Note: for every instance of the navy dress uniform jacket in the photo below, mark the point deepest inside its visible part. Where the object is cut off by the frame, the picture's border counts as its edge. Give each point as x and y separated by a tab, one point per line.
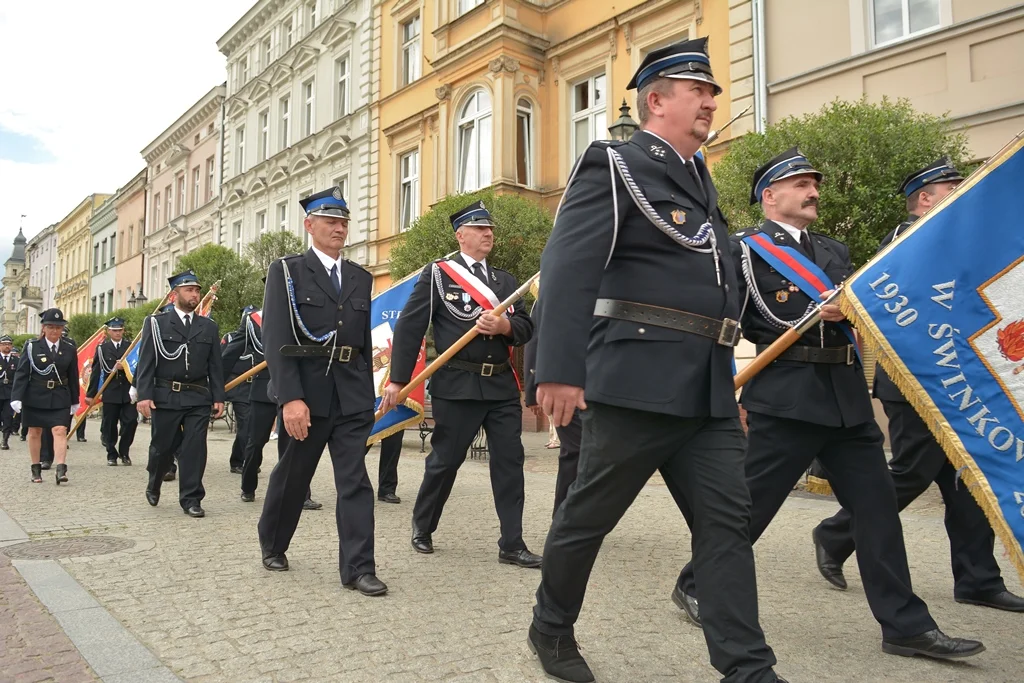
204	362
622	363
884	388
237	358
322	310
830	394
7	370
118	388
447	382
261	380
31	388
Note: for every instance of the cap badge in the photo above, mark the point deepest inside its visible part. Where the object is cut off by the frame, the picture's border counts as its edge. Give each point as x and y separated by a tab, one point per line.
678	216
336	194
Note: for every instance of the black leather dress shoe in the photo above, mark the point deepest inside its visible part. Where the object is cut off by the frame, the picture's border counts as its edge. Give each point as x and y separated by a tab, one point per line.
235	469
367	584
520	558
688	604
559	657
169	476
248	497
1004	600
934	644
112	463
421	542
152	497
389	498
126	461
829	567
275	562
310	504
195	511
81	440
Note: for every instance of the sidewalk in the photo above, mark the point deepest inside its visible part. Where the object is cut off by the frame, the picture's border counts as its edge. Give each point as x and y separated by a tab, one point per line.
194	594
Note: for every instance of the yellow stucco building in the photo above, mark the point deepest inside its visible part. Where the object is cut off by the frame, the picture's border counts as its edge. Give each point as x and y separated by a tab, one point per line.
74	248
507	93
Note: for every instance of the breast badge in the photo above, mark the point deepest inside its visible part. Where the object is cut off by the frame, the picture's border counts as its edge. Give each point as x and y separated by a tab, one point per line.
782	296
678	216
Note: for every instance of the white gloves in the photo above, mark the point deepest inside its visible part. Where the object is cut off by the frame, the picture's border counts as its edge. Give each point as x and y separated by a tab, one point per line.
133	394
74	408
16	406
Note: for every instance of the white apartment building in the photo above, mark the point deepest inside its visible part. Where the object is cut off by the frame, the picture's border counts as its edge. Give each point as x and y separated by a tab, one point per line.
103	230
41	261
297	116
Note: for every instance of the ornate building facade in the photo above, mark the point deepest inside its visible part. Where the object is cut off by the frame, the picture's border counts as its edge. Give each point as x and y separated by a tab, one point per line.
103	231
13	313
41	258
130	206
74	257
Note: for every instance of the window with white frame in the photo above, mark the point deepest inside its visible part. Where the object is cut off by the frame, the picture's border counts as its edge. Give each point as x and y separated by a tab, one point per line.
181	193
466	5
524	142
167	204
282	216
261	222
342	184
895	19
341	76
113	249
236	237
287	32
410	50
284	110
589	101
311	15
266	52
264	123
308	107
153	283
240	150
305	236
243	70
196	187
209	178
409	189
474	142
156	212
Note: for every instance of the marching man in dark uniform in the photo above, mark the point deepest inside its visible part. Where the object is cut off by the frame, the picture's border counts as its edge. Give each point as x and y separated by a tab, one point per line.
263	408
813	403
318	349
8	366
639	307
475	388
46	388
918	459
179	378
238	358
118	409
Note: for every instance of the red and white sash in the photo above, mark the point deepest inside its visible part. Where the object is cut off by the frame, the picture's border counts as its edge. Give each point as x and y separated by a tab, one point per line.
474	286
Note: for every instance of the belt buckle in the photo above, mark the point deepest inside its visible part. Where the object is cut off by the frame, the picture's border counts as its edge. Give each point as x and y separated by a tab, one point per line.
345	354
176	386
50	384
487	369
850	354
730	331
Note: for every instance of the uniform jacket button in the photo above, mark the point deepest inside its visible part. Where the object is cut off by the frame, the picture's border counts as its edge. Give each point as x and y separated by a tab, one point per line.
340	307
340	323
642	331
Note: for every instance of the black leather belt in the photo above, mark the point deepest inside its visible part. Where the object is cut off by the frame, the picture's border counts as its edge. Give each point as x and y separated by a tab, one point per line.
725	332
49	383
834	355
342	354
202	385
482	369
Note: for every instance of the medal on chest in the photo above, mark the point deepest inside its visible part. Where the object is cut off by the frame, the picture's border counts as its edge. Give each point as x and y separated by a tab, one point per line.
466	298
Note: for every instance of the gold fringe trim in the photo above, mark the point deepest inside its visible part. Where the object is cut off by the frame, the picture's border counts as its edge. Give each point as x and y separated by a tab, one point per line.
970	474
395	428
818	485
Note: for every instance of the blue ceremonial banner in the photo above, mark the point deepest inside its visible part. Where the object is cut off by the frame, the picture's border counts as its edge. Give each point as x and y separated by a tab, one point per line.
384	311
131	362
944	306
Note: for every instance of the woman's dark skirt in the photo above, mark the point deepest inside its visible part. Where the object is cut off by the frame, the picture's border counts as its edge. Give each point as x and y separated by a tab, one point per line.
46	417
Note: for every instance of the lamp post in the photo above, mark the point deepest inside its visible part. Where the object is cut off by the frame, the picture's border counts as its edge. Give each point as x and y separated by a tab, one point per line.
132	301
624	126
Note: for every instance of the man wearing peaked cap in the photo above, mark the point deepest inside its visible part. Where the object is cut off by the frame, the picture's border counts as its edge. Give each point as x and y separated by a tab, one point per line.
329	203
237	359
179	379
476	388
8	366
637	218
118	409
813	403
918	459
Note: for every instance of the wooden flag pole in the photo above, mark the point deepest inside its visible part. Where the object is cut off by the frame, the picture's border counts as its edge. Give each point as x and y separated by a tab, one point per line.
458	346
254	370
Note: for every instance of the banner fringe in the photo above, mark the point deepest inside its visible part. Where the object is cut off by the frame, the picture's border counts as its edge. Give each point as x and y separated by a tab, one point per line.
400	426
939	427
818	485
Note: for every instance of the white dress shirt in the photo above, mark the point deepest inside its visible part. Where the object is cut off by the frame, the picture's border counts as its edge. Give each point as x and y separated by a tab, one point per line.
794	232
681	157
470	261
328	261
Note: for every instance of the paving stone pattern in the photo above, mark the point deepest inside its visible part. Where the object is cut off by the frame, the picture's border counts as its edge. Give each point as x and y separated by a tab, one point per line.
195	593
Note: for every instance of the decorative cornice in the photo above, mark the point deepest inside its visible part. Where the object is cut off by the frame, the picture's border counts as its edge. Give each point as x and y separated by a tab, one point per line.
504	62
186	124
485	40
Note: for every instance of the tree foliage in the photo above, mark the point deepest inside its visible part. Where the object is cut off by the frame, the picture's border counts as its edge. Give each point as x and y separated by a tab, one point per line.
240	282
864	150
522	231
271	246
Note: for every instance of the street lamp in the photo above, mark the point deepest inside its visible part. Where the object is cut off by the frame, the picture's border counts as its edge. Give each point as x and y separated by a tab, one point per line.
132	301
625	126
140	299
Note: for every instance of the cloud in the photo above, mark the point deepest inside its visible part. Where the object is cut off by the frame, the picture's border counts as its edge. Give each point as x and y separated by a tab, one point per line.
22	148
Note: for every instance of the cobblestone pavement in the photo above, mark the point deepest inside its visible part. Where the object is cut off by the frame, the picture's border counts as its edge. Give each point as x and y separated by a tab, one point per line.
32	645
195	593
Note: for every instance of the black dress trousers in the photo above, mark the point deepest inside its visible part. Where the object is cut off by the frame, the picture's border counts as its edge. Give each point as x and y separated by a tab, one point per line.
387	469
779	452
117	428
242	410
183	430
456	423
345	438
262	416
569	437
918	460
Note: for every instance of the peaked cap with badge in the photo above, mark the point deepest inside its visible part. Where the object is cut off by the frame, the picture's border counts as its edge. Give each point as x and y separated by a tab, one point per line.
115	324
786	165
53	316
687	60
6	339
476	214
329	203
187	277
941	171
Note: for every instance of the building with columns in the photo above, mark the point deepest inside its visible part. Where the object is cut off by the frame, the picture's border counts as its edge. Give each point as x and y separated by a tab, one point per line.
130	207
183	176
41	261
297	117
74	257
508	93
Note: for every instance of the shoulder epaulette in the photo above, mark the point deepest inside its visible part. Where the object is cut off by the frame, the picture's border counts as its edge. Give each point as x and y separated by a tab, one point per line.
746	232
357	265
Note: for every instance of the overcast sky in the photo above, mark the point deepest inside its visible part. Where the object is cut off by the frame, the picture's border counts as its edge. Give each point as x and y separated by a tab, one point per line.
86	85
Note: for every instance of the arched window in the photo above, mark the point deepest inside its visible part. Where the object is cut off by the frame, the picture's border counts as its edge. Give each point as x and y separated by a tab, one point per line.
474	142
524	142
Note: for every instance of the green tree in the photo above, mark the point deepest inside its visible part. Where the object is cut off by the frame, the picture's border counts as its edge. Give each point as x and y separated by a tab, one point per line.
20	339
82	326
864	150
522	231
271	246
240	282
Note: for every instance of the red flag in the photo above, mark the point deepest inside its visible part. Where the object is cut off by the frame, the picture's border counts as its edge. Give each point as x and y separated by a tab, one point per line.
86	354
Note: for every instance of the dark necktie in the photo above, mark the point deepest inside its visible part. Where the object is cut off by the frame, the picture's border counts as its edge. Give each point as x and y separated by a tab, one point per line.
188	324
478	270
336	279
805	244
53	349
695	174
